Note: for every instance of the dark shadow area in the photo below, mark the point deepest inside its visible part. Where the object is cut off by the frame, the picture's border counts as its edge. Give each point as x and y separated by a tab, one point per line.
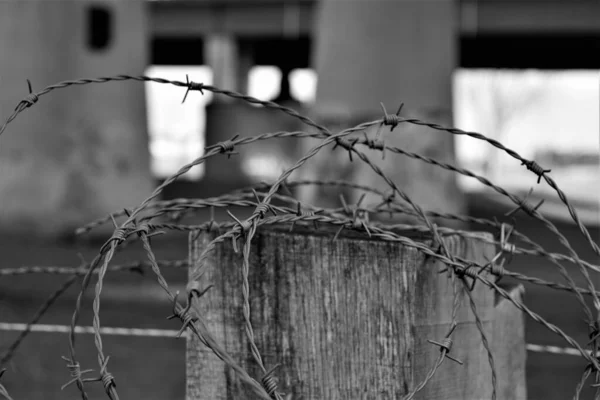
576	51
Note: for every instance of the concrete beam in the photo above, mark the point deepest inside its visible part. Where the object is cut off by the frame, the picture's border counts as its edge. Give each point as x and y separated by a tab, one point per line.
275	17
245	18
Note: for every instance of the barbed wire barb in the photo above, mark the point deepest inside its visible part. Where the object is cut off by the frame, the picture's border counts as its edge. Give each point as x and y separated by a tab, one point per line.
191	85
523	204
536	169
446	344
391	119
28	100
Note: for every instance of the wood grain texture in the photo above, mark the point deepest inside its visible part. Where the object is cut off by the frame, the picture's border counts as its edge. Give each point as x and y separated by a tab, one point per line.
345	319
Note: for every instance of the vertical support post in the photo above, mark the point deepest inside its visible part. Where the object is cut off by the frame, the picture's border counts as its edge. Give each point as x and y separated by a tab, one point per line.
372	51
80	152
231	61
222	54
344	319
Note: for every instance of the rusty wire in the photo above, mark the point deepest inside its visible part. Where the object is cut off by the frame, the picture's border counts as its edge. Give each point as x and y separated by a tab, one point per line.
351	217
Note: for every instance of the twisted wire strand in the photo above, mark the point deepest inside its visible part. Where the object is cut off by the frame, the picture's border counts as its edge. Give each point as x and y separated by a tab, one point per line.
563	197
586	374
102	359
246	300
582	269
428	377
75	318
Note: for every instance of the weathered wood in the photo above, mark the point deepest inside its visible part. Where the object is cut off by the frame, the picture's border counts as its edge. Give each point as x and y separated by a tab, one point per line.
345	319
508	345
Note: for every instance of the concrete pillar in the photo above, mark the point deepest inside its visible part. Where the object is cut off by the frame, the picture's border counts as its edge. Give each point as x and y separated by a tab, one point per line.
285	95
225	117
372	51
222	54
80	152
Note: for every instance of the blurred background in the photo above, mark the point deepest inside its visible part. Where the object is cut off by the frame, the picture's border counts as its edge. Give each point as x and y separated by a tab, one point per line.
525	73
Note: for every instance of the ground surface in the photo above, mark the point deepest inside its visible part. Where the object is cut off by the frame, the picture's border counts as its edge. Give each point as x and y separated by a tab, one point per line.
154	368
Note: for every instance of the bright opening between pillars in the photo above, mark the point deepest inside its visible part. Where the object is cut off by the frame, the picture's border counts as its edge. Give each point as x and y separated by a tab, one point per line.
551	117
176	131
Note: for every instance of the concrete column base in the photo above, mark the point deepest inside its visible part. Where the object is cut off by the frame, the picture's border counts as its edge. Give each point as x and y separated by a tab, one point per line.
225	120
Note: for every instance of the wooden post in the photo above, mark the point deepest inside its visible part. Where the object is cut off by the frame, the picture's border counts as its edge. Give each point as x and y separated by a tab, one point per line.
222	55
346	319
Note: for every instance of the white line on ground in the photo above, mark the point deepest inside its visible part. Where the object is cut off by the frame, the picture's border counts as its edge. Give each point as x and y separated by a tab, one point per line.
172	333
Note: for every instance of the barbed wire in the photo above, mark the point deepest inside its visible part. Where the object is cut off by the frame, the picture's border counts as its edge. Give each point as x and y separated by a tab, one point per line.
140	226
